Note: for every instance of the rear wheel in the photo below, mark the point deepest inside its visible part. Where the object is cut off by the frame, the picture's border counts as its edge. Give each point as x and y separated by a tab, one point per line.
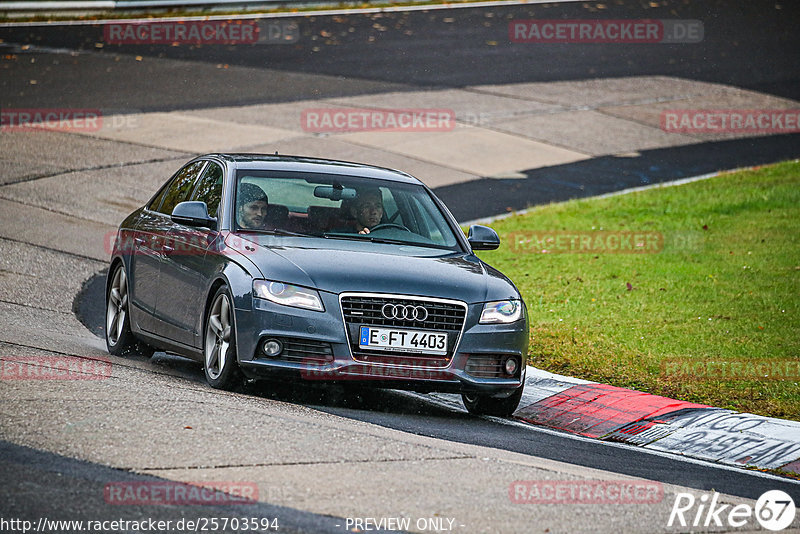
478	404
220	365
120	341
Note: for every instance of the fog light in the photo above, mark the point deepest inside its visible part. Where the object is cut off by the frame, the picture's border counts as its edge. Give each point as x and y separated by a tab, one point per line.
272	347
510	366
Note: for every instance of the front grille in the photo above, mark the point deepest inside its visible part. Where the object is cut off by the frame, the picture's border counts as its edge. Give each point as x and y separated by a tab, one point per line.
300	350
485	366
367	311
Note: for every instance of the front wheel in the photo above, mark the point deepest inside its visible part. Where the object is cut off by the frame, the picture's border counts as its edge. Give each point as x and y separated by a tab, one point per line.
120	341
220	365
478	404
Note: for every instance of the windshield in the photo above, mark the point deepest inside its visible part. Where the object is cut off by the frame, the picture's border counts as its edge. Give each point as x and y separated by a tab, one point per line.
340	207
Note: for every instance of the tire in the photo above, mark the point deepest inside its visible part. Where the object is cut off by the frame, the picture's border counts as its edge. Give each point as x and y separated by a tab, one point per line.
219	349
120	340
478	404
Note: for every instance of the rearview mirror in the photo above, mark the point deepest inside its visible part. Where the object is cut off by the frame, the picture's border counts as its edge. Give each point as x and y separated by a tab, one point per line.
334	192
193	213
482	238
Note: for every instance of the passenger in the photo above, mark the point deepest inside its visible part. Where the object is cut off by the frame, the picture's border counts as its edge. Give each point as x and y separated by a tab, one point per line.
368	209
252	204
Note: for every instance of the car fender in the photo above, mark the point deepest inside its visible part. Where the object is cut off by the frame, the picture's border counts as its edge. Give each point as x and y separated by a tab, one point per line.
498	285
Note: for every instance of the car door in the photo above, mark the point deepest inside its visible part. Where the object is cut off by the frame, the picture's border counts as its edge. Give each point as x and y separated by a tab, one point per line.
187	268
149	247
145	263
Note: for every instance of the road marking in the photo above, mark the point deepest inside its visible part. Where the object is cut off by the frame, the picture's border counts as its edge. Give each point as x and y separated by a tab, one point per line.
297	14
446	403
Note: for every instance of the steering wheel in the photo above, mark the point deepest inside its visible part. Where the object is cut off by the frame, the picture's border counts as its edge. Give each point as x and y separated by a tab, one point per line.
388	225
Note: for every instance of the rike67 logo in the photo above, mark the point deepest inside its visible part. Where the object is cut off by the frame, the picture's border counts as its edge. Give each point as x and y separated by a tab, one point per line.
774	510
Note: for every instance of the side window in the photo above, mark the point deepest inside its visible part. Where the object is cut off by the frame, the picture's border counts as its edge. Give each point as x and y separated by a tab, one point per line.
156	202
180	187
209	188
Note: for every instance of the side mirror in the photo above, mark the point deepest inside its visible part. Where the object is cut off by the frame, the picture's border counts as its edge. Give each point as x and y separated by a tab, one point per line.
193	213
482	238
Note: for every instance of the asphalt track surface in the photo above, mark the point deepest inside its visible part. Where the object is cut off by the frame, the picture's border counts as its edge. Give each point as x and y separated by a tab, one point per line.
61	488
490	196
418	415
748	44
752	45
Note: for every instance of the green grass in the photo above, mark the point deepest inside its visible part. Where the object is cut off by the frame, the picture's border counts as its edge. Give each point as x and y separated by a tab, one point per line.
725	286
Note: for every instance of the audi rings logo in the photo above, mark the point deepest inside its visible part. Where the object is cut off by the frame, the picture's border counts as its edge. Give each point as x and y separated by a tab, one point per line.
407	313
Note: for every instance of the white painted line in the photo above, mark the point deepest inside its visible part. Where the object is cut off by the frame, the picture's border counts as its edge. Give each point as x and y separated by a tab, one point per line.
448	403
39	6
22	48
625	446
540	374
296	14
763	442
534	390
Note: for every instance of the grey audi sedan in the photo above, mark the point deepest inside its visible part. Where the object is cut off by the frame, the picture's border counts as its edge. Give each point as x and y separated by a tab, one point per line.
265	266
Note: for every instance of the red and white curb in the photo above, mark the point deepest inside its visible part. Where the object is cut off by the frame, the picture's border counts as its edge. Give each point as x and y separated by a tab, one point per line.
611	413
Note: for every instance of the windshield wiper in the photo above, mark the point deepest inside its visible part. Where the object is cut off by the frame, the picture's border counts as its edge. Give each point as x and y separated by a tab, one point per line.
277	231
384	240
391	241
342	235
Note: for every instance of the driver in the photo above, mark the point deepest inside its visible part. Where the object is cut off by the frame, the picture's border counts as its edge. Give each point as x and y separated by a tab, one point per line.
368	209
253	203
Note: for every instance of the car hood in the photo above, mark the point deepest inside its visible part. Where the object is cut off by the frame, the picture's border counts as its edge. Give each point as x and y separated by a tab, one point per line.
345	266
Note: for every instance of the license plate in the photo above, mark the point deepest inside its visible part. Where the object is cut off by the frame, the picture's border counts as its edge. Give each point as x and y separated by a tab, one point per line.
415	341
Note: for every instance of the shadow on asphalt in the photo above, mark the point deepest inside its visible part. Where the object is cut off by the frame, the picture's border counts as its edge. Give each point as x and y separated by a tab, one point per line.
89	308
487	197
747	44
409	413
41	485
341	398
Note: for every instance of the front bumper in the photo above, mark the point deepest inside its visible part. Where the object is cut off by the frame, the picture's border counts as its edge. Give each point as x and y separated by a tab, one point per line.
477	342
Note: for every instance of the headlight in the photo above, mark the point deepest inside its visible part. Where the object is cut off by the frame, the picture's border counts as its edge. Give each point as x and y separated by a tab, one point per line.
288	295
501	311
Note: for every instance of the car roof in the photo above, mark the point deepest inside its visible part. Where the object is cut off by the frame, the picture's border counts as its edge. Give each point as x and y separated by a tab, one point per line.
313	165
